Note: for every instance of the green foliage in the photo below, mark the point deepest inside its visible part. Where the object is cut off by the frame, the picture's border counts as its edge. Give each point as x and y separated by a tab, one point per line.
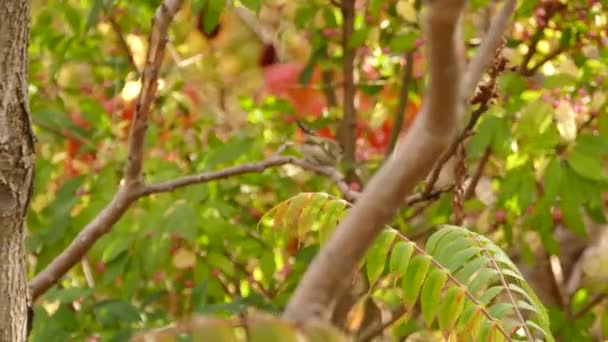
197	250
460	277
259	328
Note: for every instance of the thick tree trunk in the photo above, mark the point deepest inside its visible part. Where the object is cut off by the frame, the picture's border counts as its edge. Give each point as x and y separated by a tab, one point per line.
16	167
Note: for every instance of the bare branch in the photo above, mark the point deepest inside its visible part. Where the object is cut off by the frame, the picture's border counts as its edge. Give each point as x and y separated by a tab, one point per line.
470	191
126	196
485	53
551	55
70	256
260	166
596	300
154	58
431	133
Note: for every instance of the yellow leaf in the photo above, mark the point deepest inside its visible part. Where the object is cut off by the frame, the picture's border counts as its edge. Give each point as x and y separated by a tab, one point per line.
406	10
355	316
184	258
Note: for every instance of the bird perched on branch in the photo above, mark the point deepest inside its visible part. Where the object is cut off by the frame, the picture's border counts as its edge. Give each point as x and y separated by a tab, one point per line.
319	150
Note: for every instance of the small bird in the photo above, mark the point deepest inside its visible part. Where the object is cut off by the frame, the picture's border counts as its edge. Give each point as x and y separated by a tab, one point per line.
319	150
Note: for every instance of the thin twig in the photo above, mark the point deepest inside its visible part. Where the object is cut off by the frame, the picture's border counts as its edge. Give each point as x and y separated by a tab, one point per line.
597	299
149	83
447	154
126	196
538	34
328	90
470	191
403	100
348	126
397	315
551	55
550	10
260	166
486	51
122	41
249	275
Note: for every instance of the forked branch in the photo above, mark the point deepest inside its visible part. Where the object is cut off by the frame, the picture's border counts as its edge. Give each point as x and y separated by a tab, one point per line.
433	130
430	134
126	194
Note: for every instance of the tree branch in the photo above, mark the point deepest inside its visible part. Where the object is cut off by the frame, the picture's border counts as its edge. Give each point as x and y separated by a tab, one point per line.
538	34
470	191
403	99
328	90
260	166
430	134
551	55
149	83
347	132
127	193
101	224
122	41
126	196
597	299
485	53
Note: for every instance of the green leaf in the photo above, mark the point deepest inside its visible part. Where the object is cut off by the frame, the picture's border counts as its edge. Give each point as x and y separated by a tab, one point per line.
412	282
450	309
571	212
68	295
400	257
182	220
116	247
403	42
72	17
559	81
332	213
490	294
213	10
447	250
587	166
526	8
431	294
376	256
254	5
602	125
461	258
470	320
552	178
270	330
358	37
229	152
445	233
592	145
109	312
93	16
465	273
212	330
482	279
498	310
511	83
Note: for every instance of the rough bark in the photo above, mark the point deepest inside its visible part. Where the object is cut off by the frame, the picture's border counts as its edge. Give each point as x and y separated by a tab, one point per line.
16	167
